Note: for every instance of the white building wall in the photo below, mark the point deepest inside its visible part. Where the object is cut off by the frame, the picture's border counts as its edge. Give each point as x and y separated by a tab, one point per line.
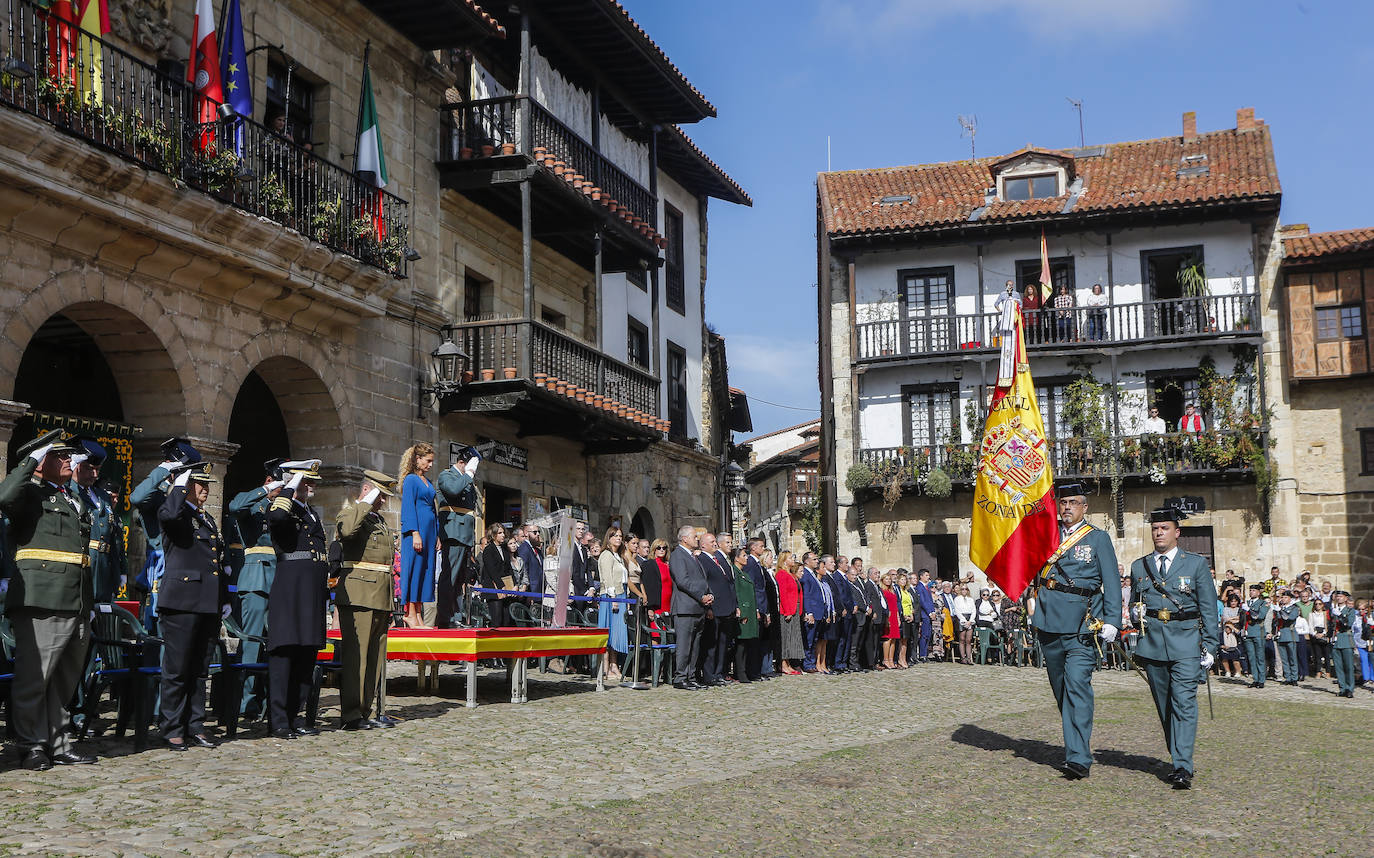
683	329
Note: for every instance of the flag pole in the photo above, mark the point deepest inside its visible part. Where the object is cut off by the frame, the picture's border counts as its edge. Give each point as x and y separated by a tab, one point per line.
367	50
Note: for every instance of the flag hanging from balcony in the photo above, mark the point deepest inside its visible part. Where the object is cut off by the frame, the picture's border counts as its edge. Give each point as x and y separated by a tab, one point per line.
203	74
370	163
1014	527
93	19
238	83
61	20
1046	279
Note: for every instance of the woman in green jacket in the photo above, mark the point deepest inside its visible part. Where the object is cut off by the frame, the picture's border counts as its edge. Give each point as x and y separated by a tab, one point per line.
748	639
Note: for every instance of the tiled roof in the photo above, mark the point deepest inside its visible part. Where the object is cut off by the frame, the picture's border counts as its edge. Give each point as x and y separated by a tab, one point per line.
486	17
1336	243
728	190
1124	176
661	55
816	423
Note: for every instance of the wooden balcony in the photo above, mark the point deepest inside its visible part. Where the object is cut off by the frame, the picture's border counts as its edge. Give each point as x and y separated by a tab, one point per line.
554	384
486	150
1178	320
799	500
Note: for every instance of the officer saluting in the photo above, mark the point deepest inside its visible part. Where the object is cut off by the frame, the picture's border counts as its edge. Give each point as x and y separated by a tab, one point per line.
1255	610
1343	646
1078	595
147	498
49	598
458	510
1286	635
1176	610
253	581
108	568
192	598
364	597
296	611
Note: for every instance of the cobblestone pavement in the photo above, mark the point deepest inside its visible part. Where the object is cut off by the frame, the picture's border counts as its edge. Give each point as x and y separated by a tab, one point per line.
797	766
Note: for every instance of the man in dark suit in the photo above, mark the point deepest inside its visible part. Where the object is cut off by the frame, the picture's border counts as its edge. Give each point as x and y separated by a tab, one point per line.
844	614
878	620
815	613
863	613
193	597
532	553
581	573
759	581
691	597
925	611
722	621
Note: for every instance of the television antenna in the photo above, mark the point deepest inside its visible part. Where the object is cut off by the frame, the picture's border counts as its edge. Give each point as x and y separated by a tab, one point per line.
1078	105
969	122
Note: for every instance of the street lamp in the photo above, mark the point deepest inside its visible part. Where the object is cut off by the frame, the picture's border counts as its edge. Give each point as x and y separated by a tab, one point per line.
447	363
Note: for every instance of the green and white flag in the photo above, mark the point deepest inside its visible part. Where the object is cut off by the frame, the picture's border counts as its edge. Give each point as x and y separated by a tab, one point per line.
370	164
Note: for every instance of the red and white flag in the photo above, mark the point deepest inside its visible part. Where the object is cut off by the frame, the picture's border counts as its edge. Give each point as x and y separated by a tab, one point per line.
203	69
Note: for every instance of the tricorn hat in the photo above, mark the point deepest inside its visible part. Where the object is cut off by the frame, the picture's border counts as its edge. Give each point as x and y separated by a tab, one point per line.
272	468
1167	513
1068	490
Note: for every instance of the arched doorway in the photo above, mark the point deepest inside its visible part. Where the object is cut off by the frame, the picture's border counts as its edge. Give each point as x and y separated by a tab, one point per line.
258	427
643	524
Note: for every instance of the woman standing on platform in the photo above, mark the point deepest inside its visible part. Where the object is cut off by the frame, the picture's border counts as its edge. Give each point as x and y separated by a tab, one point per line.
613	569
419	532
789	612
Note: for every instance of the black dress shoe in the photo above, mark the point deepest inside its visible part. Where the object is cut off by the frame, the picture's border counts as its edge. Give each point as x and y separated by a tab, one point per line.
1181	779
37	760
177	746
283	734
357	724
306	731
383	725
71	758
201	740
1074	771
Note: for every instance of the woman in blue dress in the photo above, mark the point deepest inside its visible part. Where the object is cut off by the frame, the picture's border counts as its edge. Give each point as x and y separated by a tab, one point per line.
613	570
419	532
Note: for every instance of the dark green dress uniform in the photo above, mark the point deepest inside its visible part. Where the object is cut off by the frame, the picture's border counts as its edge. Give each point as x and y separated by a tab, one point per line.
107	532
1286	636
459	507
1253	612
1343	647
193	593
296	611
1178	623
253	585
1082	586
49	603
364	595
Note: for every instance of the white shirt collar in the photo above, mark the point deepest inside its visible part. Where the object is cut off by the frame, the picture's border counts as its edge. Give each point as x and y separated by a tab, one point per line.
1169	555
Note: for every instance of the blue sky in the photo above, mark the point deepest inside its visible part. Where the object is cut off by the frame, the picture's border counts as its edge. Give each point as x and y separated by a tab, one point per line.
885	79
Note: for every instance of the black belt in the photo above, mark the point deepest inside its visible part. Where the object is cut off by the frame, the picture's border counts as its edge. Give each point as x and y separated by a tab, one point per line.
1060	587
305	555
1165	615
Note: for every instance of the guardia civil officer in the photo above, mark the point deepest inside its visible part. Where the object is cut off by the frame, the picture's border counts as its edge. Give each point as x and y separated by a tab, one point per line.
1176	612
1255	611
300	591
1286	635
192	599
363	595
109	571
1343	646
253	579
458	510
49	599
148	497
1079	595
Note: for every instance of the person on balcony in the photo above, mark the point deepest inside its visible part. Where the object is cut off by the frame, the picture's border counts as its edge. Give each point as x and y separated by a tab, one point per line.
1097	313
1066	327
1191	421
1031	302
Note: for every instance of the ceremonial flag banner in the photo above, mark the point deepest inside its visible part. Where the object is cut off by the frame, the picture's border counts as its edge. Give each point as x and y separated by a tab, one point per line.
95	24
1015	529
370	164
238	83
1046	280
203	73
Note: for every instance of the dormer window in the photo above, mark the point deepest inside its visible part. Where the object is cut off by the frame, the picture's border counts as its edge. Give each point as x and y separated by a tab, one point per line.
1035	187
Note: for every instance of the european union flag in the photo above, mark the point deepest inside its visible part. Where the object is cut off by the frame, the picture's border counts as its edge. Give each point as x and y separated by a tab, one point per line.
238	83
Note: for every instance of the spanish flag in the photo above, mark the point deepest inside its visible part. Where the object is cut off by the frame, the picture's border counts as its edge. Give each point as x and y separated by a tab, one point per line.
1015	528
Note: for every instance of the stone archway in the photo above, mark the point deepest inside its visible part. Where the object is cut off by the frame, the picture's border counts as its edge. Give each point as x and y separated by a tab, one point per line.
643	524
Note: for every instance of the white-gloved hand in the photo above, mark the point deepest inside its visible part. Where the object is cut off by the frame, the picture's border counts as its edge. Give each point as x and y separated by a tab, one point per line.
167	466
1108	632
183	478
275	485
123	581
41	453
1207	661
295	482
471	469
371	497
225	611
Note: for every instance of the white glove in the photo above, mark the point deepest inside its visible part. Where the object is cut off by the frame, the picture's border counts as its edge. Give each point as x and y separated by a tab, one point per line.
167	466
41	453
1207	661
183	478
4	586
123	581
471	469
275	485
1108	632
225	611
295	482
371	497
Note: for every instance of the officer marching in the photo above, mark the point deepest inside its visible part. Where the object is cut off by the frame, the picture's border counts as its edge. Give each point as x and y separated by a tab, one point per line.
1255	611
253	579
1343	645
1078	594
1176	612
458	511
364	594
109	570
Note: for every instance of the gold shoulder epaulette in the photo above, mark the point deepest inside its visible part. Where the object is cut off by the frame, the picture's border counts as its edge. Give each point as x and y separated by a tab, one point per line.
282	504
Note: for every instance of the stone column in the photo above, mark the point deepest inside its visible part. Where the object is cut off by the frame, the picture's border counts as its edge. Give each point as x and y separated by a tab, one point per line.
217	453
337	484
10	412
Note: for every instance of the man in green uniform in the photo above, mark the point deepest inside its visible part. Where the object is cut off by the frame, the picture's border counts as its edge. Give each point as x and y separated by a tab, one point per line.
1286	635
364	595
458	510
253	581
1343	644
49	598
1078	595
1255	610
108	568
1176	611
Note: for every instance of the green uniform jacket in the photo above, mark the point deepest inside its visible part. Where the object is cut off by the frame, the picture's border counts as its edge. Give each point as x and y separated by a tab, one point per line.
748	605
42	519
249	511
1091	564
107	542
365	538
1253	612
455	489
1341	621
1285	619
1188	581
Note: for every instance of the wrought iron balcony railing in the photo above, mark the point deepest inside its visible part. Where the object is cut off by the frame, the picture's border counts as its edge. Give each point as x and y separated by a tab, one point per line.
1173	320
91	89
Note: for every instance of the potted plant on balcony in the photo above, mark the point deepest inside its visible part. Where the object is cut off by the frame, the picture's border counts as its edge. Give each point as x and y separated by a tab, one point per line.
465	153
488	150
508	372
507	148
488	375
938	484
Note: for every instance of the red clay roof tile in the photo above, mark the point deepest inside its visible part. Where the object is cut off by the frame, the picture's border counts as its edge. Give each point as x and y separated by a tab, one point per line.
1334	243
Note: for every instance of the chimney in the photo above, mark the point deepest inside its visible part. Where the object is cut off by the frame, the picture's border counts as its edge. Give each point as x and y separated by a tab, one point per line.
1190	126
1246	121
1293	230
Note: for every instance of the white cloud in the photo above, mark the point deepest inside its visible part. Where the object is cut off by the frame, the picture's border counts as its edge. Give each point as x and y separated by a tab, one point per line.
870	21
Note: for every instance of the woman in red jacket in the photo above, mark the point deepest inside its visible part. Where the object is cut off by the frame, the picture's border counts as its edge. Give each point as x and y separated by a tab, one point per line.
789	612
894	622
